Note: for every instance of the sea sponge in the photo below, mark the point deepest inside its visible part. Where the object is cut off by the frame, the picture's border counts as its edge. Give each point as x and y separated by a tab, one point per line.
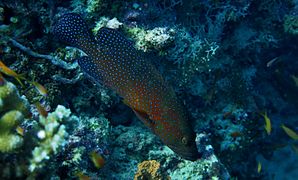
149	170
13	109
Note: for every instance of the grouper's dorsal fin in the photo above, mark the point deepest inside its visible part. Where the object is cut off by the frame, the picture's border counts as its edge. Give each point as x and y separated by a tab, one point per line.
112	39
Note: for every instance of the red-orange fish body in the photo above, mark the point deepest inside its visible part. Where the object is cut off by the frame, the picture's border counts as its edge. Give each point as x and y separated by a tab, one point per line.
113	61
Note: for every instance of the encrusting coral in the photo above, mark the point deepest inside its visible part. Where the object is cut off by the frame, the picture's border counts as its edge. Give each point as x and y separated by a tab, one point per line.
13	109
148	170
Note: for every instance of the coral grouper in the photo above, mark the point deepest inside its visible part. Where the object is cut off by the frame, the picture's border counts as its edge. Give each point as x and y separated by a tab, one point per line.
113	61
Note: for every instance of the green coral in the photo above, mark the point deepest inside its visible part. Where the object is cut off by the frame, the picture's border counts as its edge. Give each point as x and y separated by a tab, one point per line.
13	108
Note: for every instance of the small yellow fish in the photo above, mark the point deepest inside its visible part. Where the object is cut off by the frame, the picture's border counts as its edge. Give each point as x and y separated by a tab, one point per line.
82	176
259	167
292	134
40	88
9	72
97	159
41	110
267	125
20	130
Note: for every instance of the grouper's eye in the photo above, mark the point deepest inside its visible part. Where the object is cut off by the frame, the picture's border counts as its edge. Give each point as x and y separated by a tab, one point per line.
184	140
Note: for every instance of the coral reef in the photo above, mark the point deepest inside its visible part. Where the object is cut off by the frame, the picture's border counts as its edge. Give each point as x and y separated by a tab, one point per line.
228	61
14	109
129	146
209	166
231	128
86	135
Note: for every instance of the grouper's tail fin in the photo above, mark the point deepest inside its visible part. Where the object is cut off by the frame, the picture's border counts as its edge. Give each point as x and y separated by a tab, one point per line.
73	30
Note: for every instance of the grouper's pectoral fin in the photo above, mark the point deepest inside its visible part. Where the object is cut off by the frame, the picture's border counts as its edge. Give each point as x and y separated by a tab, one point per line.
145	119
90	68
143	116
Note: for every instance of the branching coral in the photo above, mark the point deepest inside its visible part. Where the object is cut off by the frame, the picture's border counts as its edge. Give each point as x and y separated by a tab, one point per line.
14	108
52	136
